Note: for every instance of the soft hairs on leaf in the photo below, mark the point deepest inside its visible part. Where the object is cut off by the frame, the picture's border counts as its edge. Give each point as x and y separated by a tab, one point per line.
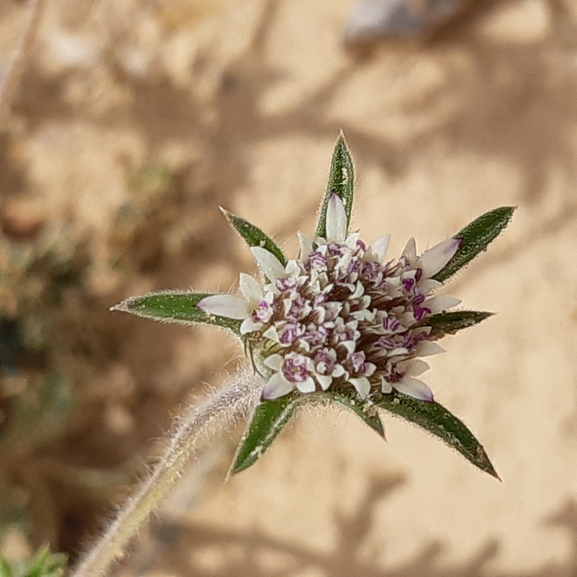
448	323
435	419
365	410
475	238
174	307
341	181
267	421
253	235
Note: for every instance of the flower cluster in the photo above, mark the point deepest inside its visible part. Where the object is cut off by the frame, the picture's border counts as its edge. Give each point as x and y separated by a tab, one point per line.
340	314
341	323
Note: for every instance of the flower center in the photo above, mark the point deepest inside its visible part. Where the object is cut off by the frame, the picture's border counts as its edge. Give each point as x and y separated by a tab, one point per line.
338	315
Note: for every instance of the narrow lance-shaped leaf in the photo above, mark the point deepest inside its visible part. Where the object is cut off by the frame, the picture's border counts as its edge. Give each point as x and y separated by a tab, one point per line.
341	181
253	235
267	422
363	409
435	419
475	237
448	323
175	307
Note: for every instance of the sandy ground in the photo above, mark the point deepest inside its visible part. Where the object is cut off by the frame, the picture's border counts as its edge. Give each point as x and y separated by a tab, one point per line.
243	101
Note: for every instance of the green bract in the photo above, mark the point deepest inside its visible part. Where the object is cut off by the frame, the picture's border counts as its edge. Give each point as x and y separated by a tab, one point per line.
340	324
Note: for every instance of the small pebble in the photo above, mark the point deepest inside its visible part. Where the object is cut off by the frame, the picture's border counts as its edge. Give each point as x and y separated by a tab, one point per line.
373	20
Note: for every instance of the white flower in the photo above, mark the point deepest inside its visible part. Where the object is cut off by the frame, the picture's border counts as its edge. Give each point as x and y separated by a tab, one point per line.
339	315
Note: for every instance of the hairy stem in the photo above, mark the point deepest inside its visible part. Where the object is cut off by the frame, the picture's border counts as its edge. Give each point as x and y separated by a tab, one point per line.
218	412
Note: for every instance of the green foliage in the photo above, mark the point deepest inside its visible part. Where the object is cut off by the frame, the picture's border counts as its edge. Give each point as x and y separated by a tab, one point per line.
149	180
43	564
365	410
174	307
38	417
448	323
267	422
435	419
253	235
342	181
475	238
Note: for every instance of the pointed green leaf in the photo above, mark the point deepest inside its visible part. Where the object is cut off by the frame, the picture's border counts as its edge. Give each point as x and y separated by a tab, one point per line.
253	235
175	307
341	181
366	410
5	570
449	323
267	422
435	419
475	237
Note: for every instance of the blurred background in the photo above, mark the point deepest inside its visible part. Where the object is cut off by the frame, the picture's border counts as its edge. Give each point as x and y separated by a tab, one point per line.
133	120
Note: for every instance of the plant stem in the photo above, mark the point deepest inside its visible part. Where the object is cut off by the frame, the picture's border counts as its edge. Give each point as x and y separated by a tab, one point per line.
218	412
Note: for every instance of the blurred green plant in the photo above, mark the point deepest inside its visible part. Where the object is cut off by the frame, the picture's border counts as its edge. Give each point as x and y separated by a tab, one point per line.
52	346
35	396
146	228
43	564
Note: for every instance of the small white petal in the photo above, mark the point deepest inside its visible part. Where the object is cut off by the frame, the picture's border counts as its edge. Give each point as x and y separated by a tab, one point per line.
336	221
434	259
441	303
410	250
351	240
414	388
386	387
378	249
363	315
397	351
306	245
292	269
359	291
370	369
276	387
271	333
269	265
428	348
324	381
350	346
407	319
344	261
362	385
304	346
307	386
249	326
339	371
250	288
229	306
428	285
416	367
274	362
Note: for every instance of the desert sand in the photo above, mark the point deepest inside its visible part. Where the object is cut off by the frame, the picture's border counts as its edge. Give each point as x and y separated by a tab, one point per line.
241	103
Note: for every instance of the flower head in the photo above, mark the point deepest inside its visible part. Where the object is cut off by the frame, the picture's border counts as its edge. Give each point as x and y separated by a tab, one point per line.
341	323
340	314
